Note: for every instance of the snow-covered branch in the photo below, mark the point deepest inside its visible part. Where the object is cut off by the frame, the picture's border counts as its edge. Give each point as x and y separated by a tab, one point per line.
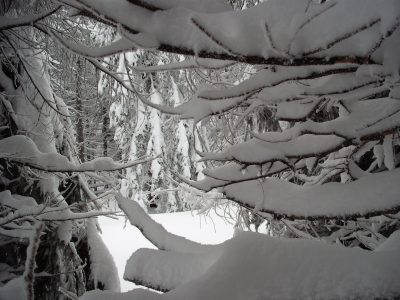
154	232
22	150
292	35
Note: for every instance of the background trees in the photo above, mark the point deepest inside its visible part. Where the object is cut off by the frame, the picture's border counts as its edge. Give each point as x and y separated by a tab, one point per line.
318	172
302	131
45	205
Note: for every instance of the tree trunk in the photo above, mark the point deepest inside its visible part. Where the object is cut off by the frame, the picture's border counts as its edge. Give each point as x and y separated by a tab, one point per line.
79	108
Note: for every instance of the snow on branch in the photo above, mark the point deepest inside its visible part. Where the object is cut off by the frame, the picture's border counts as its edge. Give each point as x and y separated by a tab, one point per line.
255	265
260	152
367	121
119	46
340	39
298	111
144	4
102	265
22	207
207	184
304	37
21	149
234	172
208	34
32	74
165	109
140	40
156	274
154	232
207	6
329	201
266	79
212	64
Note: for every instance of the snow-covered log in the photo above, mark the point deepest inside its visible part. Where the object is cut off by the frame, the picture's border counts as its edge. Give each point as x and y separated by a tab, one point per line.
255	266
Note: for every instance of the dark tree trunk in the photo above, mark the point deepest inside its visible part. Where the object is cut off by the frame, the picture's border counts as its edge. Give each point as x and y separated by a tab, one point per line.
79	108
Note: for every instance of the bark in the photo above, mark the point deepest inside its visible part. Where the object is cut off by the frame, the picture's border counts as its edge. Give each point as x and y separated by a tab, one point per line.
79	108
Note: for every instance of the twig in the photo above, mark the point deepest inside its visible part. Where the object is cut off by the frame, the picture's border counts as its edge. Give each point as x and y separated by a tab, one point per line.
342	38
208	34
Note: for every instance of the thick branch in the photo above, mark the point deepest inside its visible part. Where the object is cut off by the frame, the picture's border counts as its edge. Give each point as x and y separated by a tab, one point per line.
154	232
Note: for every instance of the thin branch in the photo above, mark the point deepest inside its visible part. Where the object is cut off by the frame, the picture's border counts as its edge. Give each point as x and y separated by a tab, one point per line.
268	37
145	5
342	38
257	89
307	22
382	39
209	35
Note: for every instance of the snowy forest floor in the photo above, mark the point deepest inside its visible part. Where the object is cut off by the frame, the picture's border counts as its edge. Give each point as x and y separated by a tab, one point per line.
122	242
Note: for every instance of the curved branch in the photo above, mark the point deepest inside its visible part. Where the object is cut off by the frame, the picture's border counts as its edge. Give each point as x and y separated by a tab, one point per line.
342	38
323	202
265	80
155	232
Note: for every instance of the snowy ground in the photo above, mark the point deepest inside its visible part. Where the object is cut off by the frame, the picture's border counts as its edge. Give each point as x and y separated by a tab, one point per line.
122	242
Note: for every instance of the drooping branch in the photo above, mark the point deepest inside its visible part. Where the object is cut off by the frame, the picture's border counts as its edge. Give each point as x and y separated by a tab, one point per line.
22	150
120	46
323	202
265	79
154	232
